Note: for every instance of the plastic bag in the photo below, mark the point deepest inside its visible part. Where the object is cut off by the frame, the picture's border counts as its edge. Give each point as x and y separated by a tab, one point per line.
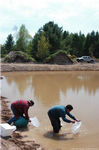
76	127
35	122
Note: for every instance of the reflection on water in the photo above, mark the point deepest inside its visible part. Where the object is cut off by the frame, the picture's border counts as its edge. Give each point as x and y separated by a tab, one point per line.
64	136
47	86
81	89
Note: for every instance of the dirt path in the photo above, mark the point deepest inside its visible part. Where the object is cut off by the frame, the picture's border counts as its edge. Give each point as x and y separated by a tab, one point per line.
47	67
14	142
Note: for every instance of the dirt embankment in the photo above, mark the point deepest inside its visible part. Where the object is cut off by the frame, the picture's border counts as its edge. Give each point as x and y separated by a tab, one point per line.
14	142
47	67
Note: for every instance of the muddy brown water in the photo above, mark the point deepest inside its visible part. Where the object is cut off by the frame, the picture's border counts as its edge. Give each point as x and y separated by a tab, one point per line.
81	89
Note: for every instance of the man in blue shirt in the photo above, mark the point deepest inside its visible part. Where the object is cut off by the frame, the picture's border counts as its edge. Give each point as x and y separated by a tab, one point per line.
57	112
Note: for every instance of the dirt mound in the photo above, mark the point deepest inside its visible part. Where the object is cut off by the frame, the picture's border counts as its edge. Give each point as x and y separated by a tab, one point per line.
17	56
59	58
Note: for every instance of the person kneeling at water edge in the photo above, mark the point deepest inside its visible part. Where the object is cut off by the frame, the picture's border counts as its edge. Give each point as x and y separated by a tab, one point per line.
57	112
20	108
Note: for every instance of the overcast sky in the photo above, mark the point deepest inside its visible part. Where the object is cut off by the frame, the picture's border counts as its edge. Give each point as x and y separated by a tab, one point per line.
72	15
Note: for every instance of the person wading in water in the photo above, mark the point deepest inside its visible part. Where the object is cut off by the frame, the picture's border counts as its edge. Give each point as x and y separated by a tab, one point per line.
57	112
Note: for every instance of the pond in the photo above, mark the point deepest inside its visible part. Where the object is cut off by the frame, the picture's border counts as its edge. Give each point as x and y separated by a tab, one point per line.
80	89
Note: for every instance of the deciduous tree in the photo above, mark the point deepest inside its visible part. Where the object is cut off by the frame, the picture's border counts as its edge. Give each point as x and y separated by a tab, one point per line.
23	39
43	48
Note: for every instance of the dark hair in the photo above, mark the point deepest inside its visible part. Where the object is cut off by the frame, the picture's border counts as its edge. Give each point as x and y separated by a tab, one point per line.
31	102
70	107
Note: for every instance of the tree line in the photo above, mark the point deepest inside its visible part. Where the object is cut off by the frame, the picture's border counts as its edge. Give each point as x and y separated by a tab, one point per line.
49	39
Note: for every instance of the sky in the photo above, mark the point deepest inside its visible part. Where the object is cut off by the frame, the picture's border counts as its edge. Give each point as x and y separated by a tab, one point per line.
72	15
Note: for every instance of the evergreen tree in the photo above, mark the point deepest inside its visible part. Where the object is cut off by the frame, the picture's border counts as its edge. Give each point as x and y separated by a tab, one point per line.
96	50
9	45
65	35
3	51
35	45
66	42
54	34
51	38
87	44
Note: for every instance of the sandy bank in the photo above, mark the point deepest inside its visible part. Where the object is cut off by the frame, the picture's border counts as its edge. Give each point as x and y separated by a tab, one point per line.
46	67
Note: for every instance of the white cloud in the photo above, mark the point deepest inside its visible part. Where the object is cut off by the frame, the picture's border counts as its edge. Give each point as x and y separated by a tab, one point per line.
35	13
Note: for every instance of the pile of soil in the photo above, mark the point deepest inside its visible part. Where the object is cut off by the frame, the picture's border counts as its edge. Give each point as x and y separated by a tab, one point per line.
18	57
59	58
14	142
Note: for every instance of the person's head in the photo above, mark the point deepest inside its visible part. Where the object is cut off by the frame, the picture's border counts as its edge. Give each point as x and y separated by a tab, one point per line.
69	108
31	103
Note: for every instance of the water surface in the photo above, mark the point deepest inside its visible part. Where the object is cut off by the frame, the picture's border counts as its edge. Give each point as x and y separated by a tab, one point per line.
81	89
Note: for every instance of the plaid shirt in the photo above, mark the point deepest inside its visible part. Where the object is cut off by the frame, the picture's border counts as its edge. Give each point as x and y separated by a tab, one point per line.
21	107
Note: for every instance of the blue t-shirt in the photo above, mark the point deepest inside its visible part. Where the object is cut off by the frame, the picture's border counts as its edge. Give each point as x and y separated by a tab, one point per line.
60	111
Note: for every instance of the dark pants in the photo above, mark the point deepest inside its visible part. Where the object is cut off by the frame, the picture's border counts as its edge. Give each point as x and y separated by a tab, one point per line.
55	122
15	117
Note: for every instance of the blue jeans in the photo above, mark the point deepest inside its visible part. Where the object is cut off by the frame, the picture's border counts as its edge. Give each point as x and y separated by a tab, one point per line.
13	118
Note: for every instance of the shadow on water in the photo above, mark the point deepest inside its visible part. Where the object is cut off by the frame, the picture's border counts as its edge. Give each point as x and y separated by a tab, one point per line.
61	137
23	129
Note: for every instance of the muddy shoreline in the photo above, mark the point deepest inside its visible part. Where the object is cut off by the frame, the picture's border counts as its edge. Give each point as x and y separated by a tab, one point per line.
46	67
14	142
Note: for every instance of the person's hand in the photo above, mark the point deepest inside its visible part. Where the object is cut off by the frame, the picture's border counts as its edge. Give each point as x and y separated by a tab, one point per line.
29	120
78	120
72	121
